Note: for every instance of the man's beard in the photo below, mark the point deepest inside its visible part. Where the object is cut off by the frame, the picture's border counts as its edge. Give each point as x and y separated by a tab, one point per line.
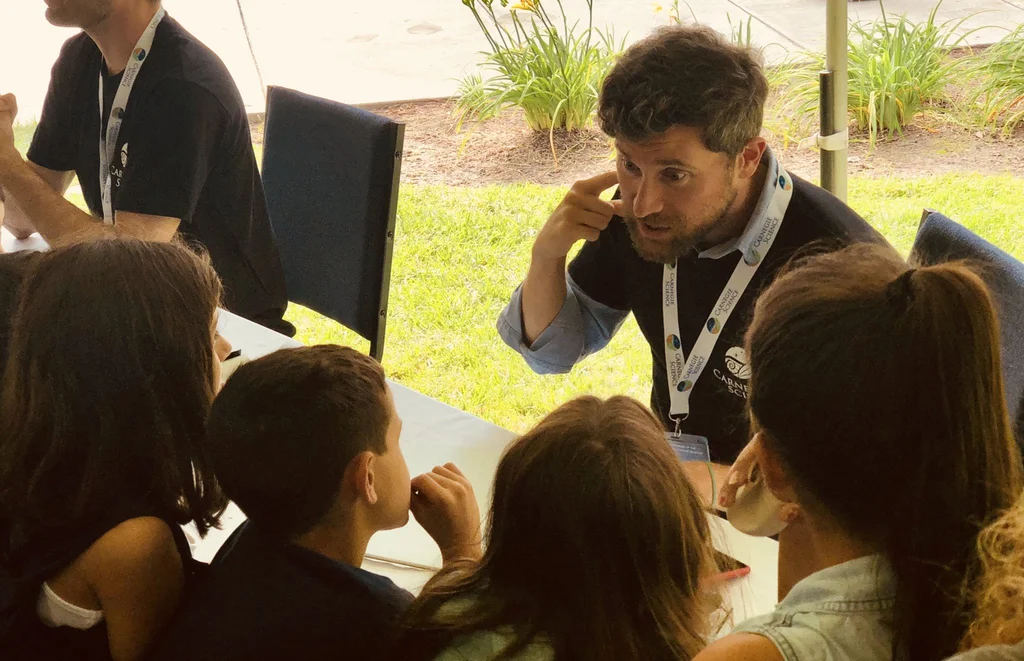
81	15
677	246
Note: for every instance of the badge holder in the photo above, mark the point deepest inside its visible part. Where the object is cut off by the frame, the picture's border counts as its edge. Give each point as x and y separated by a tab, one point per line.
688	447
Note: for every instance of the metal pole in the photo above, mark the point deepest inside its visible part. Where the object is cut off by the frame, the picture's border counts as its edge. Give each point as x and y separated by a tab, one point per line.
826	120
836	56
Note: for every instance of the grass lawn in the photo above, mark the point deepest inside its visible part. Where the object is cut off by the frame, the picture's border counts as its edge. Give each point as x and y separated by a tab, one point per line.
460	252
23	136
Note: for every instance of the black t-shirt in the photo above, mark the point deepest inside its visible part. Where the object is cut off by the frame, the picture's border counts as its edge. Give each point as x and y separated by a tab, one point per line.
268	599
611	272
184	151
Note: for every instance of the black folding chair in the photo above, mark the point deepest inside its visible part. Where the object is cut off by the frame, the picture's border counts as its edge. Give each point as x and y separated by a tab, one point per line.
940	239
331	174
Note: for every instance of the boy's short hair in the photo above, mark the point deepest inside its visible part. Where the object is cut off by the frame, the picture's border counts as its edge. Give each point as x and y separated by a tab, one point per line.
685	76
285	427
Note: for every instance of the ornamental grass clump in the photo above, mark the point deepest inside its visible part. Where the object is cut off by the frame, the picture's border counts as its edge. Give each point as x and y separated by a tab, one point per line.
549	68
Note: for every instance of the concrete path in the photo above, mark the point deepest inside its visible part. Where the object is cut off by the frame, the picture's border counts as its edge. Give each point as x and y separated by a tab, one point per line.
361	52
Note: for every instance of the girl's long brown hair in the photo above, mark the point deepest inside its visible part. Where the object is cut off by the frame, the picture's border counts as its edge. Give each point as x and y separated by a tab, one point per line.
597	545
107	386
880	387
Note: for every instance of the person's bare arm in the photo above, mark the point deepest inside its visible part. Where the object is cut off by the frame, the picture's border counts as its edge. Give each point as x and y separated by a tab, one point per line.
62	223
581	215
14	218
56	219
745	646
136	572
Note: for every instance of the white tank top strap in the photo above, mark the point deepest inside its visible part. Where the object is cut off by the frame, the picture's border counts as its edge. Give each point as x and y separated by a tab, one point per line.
55	612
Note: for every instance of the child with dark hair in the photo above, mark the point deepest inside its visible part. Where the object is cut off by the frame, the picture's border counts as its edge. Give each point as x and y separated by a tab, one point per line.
113	360
305	441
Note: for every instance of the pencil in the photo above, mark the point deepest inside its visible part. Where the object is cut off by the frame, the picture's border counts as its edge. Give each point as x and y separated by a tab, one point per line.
731	575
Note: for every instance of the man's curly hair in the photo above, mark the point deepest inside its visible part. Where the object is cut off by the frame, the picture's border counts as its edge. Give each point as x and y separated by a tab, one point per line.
685	76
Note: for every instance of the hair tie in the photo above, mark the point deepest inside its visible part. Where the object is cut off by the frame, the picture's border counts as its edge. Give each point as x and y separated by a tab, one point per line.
900	291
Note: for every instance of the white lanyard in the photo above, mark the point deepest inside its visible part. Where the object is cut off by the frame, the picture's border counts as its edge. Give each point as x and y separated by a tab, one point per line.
682	372
108	142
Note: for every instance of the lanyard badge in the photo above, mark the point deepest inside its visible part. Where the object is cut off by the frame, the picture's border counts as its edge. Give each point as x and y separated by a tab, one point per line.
108	142
682	371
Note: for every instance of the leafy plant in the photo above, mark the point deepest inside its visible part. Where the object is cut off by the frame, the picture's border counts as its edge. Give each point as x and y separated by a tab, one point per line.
552	70
740	33
1000	94
896	66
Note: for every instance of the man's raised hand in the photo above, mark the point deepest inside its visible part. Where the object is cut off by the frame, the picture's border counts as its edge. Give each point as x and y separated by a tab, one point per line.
581	215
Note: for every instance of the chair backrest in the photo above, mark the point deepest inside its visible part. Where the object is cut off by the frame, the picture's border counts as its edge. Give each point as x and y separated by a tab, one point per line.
331	175
940	239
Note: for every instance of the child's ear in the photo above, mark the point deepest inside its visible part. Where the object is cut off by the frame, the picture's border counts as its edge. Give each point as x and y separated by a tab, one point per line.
362	470
774	471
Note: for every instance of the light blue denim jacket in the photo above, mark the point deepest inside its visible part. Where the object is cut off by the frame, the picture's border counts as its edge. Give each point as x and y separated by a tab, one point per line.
843	613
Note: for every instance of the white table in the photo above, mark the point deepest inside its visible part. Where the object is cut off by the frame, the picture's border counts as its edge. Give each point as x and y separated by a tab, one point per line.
434	433
10	244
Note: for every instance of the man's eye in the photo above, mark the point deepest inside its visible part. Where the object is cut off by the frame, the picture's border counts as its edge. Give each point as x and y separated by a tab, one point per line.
630	166
675	175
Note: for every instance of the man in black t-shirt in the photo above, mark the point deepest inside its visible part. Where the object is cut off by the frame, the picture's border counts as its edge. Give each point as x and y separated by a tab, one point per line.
704	219
179	154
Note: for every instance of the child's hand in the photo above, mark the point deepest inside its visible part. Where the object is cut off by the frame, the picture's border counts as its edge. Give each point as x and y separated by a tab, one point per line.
444	504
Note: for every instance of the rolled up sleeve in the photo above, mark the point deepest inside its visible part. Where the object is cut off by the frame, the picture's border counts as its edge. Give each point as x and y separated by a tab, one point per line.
582	327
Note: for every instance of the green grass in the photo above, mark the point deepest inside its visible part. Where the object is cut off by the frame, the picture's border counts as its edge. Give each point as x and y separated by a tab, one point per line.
460	252
23	136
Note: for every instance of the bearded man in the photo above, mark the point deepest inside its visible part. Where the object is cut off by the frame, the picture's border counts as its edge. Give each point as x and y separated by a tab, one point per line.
703	220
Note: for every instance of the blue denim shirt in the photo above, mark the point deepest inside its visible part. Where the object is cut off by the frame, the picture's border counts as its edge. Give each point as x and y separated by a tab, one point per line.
843	613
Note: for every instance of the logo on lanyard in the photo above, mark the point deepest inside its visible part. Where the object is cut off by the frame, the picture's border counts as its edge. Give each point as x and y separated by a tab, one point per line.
108	140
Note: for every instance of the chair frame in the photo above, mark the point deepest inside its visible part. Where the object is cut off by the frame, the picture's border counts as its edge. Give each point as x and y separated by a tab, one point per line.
377	340
377	343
